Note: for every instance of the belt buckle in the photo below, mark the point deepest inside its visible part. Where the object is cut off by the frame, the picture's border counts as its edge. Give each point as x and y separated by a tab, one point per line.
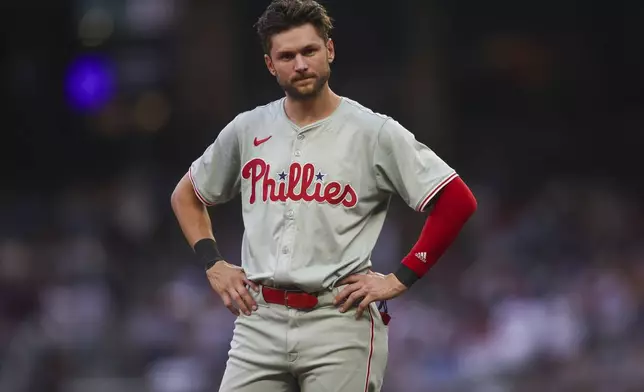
286	304
286	292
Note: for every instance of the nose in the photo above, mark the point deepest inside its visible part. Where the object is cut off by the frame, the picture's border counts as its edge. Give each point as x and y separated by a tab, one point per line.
300	63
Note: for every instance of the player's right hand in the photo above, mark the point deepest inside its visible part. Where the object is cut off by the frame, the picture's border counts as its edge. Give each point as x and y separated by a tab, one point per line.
229	281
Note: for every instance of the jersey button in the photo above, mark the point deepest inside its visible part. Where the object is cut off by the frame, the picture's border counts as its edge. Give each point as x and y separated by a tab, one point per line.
298	153
300	137
290	214
285	250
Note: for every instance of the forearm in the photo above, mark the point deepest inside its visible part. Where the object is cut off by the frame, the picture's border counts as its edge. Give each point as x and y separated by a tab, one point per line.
190	212
455	205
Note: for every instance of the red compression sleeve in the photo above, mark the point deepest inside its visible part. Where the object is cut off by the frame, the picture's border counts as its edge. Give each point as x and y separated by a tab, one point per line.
454	206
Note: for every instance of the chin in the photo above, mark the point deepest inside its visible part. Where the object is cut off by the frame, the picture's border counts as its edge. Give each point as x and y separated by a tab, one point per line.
309	94
302	93
307	91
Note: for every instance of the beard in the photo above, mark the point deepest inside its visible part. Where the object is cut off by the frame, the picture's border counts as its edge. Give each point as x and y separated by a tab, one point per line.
304	93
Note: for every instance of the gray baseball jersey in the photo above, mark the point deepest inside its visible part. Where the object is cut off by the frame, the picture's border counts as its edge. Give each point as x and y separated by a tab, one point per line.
314	198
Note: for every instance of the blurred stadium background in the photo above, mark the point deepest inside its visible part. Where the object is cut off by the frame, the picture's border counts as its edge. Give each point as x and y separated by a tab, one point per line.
538	104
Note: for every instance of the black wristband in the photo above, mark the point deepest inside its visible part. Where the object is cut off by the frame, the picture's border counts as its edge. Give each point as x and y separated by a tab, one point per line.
207	252
406	275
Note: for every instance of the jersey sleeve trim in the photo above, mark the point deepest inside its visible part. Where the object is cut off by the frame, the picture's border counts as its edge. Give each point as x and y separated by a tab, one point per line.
199	195
422	205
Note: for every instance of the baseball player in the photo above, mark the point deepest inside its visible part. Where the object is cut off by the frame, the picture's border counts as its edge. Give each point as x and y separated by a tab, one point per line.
315	171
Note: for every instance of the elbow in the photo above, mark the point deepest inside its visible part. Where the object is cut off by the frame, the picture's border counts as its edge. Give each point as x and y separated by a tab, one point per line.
178	195
175	198
472	203
458	196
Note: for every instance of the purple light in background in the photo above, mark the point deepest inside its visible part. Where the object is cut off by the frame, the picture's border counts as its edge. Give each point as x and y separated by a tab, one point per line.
89	82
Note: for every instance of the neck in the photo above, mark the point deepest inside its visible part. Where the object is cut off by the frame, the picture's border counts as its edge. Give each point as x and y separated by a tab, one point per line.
304	112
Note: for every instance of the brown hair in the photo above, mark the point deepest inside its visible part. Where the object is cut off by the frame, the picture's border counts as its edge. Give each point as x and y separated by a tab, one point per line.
282	15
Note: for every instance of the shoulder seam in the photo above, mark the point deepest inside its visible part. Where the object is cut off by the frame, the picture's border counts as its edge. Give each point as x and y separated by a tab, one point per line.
366	110
260	107
251	112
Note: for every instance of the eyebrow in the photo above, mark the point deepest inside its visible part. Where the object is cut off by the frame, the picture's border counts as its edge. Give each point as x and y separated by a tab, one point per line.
307	47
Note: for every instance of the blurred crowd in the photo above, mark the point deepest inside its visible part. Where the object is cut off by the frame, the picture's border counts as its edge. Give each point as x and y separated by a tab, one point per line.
99	292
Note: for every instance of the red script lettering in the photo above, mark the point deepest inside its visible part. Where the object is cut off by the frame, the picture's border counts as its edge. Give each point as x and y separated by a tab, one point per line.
301	181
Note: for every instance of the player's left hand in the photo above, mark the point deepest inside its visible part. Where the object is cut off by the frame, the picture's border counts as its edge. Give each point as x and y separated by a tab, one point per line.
369	287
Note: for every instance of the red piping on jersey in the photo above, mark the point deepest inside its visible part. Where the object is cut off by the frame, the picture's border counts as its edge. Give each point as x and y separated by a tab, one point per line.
199	195
431	194
366	384
455	205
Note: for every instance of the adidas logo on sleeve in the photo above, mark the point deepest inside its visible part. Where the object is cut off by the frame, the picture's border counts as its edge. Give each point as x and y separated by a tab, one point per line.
422	256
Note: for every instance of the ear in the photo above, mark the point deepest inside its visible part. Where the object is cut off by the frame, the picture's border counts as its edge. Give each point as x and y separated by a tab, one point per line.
330	50
269	64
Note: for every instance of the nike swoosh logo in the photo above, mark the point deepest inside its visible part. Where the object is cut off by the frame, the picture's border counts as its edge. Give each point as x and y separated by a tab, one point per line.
257	142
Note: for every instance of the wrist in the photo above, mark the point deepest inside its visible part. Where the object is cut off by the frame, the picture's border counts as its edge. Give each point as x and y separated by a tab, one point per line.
397	285
406	276
207	252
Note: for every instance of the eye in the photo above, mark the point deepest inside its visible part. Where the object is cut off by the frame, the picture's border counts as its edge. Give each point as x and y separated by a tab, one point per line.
287	56
309	51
